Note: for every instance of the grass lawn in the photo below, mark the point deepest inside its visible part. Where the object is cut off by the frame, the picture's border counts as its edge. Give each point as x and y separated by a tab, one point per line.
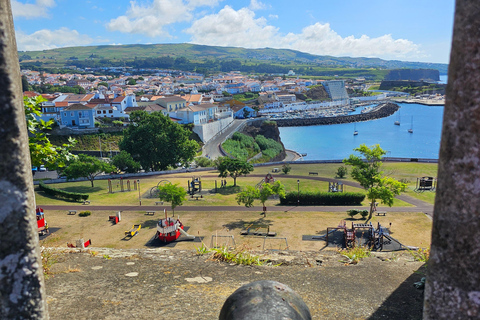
409	228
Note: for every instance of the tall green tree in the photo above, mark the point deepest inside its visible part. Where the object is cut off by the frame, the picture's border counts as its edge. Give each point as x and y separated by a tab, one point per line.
42	151
250	194
233	168
172	193
87	167
156	142
367	172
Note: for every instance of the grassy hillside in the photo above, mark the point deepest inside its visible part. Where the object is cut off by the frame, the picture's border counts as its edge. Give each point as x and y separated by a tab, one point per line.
200	53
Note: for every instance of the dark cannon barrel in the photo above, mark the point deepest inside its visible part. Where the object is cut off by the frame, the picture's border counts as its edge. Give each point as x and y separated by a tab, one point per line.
261	300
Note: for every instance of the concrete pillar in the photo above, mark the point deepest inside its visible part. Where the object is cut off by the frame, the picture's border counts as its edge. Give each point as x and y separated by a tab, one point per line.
453	280
22	289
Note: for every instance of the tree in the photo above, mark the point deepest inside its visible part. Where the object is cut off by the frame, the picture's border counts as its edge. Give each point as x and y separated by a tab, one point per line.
367	173
25	84
233	168
156	142
286	168
267	190
172	193
125	162
342	171
87	167
250	194
42	151
247	196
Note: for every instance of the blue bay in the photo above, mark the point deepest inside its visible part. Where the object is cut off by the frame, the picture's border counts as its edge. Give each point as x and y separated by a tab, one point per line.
336	142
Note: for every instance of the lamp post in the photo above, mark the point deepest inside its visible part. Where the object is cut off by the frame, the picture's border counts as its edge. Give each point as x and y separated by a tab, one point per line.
139	197
298	192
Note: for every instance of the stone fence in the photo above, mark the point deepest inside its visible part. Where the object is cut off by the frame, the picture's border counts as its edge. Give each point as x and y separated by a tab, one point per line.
382	111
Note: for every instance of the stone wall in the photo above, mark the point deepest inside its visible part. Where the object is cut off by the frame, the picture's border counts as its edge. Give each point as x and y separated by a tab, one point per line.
383	111
208	130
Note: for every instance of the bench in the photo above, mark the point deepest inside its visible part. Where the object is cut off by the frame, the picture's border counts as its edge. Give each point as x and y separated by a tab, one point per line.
86	201
72	211
158	202
381	213
150	213
275	170
313	173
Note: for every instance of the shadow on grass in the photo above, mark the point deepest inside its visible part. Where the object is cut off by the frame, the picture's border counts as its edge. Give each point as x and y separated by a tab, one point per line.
225	191
82	189
149	224
242	224
405	303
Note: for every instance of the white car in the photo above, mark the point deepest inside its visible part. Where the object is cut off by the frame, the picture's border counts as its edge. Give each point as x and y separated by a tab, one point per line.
42	168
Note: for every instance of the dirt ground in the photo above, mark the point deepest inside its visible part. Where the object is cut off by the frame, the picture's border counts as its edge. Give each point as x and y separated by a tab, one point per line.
410	228
163	283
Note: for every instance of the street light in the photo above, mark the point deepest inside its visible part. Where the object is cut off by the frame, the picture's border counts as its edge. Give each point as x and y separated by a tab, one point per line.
139	198
298	193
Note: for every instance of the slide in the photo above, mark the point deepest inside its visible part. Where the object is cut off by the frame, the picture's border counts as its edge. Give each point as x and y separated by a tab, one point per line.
187	236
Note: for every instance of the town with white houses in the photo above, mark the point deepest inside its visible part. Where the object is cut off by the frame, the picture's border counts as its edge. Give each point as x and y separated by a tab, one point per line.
190	98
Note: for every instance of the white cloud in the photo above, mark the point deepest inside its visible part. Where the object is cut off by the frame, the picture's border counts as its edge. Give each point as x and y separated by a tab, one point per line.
151	19
50	39
240	28
257	5
31	11
233	28
201	3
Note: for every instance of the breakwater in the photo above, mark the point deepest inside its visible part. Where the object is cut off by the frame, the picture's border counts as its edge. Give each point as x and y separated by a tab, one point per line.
382	111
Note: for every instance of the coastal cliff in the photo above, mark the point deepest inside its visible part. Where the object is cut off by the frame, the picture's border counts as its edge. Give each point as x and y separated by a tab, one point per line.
383	111
268	129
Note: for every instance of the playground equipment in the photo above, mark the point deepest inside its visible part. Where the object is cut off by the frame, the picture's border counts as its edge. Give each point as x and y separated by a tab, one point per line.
133	231
215	244
426	184
169	229
375	238
120	186
268	179
335	186
258	230
154	190
116	218
195	185
41	222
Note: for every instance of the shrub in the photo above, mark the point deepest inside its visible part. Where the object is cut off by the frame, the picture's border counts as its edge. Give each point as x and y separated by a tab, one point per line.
54	192
286	168
354	255
84	214
323	198
204	162
364	214
352	212
342	172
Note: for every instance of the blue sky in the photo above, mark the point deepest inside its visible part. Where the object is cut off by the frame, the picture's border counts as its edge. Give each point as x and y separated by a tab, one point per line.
407	30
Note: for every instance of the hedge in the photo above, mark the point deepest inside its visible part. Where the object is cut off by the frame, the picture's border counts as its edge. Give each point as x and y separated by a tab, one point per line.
54	192
323	198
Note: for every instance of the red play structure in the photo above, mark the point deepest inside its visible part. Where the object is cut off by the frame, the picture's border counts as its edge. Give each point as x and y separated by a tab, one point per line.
41	222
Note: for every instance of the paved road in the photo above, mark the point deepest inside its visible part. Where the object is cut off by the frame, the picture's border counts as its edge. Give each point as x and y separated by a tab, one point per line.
211	148
418	205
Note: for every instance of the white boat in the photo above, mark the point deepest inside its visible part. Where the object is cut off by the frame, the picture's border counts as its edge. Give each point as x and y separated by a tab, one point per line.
355	132
397	122
411	127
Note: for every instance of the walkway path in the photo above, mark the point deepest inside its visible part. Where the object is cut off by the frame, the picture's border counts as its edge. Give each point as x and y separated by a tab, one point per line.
418	205
211	148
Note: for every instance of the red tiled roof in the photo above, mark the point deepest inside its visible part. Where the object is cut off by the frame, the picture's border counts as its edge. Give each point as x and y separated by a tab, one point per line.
61	104
30	94
77	106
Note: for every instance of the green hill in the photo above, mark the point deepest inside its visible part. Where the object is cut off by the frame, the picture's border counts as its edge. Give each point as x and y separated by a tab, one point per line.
214	58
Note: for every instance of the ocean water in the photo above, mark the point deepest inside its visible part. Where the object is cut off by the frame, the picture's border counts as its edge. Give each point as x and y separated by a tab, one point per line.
336	142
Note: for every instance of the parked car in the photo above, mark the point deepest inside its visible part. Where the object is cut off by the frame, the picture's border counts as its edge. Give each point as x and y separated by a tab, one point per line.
42	168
